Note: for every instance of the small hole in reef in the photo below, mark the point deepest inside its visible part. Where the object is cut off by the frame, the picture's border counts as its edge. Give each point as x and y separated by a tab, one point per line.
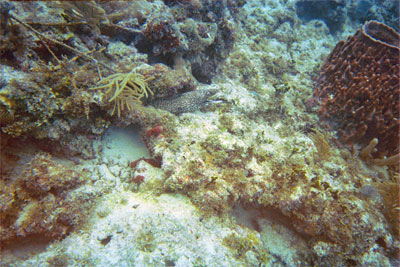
351	262
106	240
381	242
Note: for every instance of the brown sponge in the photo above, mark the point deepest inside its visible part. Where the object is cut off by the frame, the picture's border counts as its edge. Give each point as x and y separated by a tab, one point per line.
358	88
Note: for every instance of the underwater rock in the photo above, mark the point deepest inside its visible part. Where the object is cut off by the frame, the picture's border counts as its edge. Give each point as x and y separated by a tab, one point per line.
363	7
385	11
39	204
358	88
202	33
332	12
167	82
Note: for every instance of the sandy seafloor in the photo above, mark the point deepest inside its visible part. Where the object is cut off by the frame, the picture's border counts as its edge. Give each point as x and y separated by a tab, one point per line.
147	225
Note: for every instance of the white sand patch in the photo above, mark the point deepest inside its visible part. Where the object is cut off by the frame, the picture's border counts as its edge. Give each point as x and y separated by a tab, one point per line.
124	143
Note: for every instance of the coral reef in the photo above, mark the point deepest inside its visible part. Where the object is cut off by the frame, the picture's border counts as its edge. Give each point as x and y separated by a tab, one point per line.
358	85
41	108
162	34
238	172
228	163
252	150
39	203
222	167
68	53
200	33
63	45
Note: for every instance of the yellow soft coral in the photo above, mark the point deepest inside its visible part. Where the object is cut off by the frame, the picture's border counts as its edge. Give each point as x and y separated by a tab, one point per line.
124	89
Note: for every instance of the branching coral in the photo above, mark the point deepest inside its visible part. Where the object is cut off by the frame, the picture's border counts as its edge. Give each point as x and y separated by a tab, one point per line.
124	89
366	154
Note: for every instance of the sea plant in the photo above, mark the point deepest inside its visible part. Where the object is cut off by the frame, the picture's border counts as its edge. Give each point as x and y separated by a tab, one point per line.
321	141
124	89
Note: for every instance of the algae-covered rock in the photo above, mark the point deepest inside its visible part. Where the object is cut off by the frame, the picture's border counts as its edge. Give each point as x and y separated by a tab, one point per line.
39	204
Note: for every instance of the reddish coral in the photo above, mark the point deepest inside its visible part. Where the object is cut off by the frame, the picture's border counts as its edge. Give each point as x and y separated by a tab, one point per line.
133	164
138	179
153	162
154	132
358	88
162	36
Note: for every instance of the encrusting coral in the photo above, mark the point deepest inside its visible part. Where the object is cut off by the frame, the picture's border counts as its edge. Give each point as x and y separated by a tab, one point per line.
236	160
125	90
358	88
39	202
221	168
